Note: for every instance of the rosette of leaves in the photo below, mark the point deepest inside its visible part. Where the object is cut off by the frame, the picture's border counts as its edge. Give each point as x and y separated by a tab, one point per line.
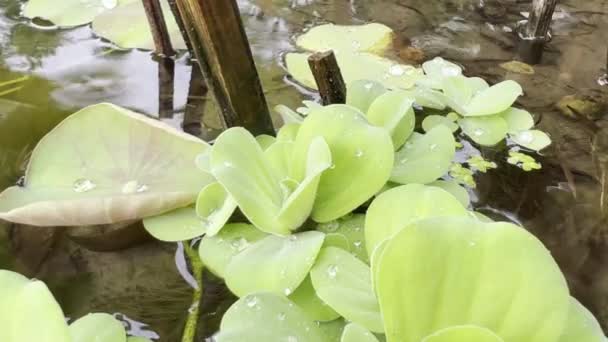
29	312
437	273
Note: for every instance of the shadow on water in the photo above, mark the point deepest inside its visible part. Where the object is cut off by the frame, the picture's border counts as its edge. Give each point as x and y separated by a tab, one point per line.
564	203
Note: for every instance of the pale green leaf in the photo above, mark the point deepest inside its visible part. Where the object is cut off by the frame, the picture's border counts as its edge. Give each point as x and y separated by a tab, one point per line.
424	158
433	121
97	327
394	209
374	37
463	333
393	111
124	167
127	26
362	159
265	140
581	326
355	333
214	207
510	285
460	193
137	339
362	93
533	139
70	12
274	264
267	317
436	70
517	119
485	130
306	298
494	100
177	225
288	132
216	252
344	283
352	229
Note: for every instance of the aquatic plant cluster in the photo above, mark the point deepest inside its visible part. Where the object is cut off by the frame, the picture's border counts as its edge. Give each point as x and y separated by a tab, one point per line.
354	226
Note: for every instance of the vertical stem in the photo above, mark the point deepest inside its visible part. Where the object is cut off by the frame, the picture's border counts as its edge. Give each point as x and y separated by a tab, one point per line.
222	50
328	77
536	32
181	25
158	27
193	313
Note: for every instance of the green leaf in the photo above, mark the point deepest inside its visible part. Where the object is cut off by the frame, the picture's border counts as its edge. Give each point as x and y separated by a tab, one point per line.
97	327
127	26
288	132
394	209
274	264
267	317
533	139
355	333
457	89
581	326
274	201
468	333
70	12
510	285
517	119
216	252
393	111
374	37
362	93
362	156
124	167
437	70
265	141
214	207
352	229
344	283
306	298
332	331
357	66
289	116
177	225
433	121
424	158
485	130
494	100
460	193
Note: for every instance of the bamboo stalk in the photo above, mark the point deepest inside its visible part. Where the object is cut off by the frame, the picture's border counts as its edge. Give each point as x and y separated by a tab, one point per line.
222	51
158	27
328	77
535	34
181	25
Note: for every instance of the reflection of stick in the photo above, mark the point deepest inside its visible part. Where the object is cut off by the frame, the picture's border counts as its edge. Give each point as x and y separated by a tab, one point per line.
536	32
195	105
328	77
166	84
222	50
158	27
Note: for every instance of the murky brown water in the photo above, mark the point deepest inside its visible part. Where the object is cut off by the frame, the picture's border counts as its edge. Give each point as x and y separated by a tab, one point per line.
70	69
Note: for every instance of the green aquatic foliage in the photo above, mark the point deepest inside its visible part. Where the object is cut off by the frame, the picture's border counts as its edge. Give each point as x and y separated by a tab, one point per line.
480	164
524	161
26	303
374	38
68	13
105	164
462	175
355	333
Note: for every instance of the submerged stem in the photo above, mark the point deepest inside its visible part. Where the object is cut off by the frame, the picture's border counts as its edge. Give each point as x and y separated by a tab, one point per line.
193	313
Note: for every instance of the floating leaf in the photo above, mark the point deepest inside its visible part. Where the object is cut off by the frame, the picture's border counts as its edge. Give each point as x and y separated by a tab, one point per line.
352	229
393	111
518	67
460	193
462	175
581	326
424	158
480	164
97	327
178	225
433	121
274	264
396	208
216	252
127	26
344	283
267	317
272	200
70	12
124	167
485	130
533	139
494	100
357	66
437	70
526	162
355	333
468	333
362	93
511	285
428	98
362	154
306	298
374	38
214	207
517	119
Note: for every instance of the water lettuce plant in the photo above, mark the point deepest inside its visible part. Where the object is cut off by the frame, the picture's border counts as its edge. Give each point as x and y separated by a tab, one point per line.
29	312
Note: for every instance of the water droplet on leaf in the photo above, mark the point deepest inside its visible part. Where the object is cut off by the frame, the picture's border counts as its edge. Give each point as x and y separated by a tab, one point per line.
83	185
332	271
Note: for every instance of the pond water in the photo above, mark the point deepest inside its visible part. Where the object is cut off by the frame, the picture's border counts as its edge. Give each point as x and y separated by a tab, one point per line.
563	203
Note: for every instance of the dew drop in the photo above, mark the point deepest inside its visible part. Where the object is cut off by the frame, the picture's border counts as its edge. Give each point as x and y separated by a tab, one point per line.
83	185
292	339
282	316
403	161
356	45
368	86
239	244
433	147
332	271
359	153
525	137
331	226
478	132
133	186
472	243
357	244
396	70
109	4
251	301
293	238
228	164
332	167
287	291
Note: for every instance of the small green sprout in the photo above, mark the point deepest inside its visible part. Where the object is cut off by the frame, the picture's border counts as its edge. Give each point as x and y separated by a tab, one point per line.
480	164
462	175
524	161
